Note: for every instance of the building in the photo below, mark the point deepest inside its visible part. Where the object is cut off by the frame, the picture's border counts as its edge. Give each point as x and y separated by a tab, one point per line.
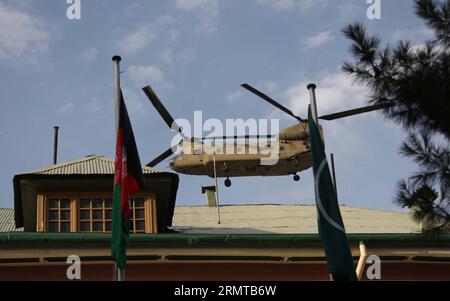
76	196
252	242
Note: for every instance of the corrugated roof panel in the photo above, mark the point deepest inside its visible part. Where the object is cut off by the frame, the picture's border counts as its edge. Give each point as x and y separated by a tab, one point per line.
90	165
285	219
269	219
7	220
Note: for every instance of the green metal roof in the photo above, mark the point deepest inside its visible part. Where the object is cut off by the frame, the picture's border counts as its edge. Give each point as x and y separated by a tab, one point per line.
211	239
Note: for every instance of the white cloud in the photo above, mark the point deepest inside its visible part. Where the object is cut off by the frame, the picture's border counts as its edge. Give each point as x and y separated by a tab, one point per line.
94	105
318	40
335	92
280	4
415	36
144	75
135	103
186	56
167	55
66	108
144	35
207	11
303	5
90	54
21	34
349	10
269	86
234	96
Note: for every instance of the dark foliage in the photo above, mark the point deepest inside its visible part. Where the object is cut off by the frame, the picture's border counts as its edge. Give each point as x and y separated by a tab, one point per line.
417	81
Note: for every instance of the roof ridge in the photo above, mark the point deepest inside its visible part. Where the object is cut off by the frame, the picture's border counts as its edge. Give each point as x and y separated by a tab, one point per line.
65	163
82	164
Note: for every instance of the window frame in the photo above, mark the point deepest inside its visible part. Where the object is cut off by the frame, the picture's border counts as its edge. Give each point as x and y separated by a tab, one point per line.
43	199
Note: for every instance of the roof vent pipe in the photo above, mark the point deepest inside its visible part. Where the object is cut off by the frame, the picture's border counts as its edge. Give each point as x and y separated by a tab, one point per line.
55	145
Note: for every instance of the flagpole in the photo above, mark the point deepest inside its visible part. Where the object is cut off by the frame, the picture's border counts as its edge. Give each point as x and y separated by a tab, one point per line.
217	189
333	174
116	65
312	98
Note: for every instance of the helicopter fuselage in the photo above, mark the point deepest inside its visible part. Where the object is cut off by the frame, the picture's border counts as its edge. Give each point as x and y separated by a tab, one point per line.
246	159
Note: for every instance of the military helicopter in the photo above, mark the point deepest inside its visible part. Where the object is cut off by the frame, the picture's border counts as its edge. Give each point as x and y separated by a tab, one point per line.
195	157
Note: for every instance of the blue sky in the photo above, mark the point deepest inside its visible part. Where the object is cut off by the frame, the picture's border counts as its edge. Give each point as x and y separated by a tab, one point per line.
195	53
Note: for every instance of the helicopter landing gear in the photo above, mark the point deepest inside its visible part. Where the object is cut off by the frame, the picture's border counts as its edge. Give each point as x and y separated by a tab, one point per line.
296	178
227	182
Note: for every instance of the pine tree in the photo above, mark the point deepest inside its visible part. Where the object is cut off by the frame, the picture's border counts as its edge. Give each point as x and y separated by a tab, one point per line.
416	81
428	206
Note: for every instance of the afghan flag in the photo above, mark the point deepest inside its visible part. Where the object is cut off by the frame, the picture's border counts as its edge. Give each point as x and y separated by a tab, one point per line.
331	227
128	179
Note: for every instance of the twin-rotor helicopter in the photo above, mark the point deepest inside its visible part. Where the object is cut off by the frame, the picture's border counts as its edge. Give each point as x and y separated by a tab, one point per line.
293	154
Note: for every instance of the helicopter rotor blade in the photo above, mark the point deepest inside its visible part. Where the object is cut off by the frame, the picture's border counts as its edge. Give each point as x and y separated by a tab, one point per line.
270	100
356	111
161	158
154	99
240	137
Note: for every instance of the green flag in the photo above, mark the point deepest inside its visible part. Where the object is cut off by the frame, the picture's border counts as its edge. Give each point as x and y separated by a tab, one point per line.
331	227
128	179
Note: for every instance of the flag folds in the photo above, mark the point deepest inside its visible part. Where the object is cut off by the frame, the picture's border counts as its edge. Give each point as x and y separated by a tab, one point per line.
128	179
331	227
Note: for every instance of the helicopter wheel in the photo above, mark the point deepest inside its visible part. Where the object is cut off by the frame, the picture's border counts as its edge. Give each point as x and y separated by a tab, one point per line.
227	182
296	178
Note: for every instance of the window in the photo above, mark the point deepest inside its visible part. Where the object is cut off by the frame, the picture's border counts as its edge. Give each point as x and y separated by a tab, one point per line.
59	211
95	214
92	213
137	215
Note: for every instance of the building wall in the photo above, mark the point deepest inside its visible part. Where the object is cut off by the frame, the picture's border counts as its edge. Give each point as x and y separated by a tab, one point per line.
221	272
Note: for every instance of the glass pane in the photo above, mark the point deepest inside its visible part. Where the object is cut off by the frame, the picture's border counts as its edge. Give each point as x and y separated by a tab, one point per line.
97	214
84	203
65	227
84	226
97	203
65	215
53	203
97	227
139	213
140	225
108	226
65	203
53	227
138	202
108	214
131	214
108	203
85	214
53	215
